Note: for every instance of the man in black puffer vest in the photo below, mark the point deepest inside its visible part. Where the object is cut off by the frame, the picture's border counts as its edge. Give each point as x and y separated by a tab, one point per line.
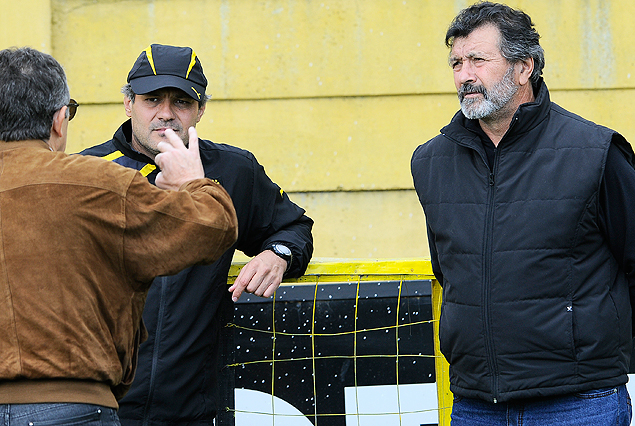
527	208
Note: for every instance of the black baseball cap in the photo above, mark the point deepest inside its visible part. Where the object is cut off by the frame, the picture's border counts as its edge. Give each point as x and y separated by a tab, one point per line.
161	66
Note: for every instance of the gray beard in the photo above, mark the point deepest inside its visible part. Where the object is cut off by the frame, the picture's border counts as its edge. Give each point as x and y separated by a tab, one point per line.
493	100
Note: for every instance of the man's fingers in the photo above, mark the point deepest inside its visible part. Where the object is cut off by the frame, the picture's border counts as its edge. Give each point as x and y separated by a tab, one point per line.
193	145
173	141
257	277
271	290
178	164
242	281
164	147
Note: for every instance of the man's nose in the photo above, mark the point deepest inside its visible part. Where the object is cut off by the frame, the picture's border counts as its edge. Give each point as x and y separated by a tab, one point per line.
166	111
466	74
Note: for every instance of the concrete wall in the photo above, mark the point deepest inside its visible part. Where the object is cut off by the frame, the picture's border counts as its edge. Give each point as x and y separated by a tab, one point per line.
331	96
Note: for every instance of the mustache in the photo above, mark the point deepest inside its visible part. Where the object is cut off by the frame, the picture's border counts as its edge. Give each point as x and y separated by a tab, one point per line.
467	88
174	126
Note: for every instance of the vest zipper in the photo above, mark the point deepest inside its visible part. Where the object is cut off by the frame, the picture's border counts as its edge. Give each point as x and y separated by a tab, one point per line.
486	289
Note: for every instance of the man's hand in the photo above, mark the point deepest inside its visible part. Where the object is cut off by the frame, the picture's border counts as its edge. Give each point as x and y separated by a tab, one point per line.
178	164
261	276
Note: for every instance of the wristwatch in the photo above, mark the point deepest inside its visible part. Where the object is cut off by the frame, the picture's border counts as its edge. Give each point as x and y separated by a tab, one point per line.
283	252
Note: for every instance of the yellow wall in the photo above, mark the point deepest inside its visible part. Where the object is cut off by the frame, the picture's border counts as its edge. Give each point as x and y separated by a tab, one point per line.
331	96
26	23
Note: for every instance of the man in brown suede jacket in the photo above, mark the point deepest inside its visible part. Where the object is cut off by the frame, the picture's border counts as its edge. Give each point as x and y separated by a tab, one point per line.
81	240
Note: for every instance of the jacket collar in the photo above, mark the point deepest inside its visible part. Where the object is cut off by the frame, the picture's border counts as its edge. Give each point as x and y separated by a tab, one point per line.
122	139
7	146
528	115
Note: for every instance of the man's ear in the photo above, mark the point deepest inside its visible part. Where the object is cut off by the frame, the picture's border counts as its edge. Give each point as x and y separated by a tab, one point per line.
127	103
526	69
201	110
57	129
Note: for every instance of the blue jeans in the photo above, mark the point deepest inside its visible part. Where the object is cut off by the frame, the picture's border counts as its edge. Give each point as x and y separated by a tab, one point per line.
48	414
602	407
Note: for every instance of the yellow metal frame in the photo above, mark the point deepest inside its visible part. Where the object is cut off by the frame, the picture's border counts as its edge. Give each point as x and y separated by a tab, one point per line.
441	366
336	270
343	270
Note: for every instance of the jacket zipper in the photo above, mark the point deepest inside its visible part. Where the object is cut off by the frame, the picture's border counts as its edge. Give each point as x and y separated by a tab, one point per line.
155	348
487	275
487	264
487	257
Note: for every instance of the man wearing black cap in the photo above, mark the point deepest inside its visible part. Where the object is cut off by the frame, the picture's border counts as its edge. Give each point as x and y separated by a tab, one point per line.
178	376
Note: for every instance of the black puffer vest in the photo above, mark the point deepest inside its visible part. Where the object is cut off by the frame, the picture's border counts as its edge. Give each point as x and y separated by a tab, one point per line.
534	304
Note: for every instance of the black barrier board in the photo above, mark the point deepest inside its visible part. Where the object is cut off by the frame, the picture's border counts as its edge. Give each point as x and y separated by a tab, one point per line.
343	352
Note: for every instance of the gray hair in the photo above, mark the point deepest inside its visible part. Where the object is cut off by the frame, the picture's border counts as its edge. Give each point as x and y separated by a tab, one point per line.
33	88
519	38
130	94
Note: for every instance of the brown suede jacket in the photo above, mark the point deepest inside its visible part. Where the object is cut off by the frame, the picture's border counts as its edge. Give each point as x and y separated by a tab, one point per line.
81	240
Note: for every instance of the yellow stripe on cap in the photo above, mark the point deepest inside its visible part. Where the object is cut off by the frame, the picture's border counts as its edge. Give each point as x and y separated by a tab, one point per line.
113	156
150	59
192	63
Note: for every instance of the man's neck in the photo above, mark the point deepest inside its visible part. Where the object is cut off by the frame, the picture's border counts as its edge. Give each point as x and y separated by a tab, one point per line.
496	125
141	149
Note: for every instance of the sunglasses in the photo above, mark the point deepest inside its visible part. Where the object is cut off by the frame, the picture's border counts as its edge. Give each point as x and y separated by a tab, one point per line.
72	109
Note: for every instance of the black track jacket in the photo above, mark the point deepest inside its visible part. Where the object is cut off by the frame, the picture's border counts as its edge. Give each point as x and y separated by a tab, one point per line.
177	377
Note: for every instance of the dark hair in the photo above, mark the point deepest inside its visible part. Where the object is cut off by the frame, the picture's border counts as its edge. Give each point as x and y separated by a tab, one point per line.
519	38
130	94
33	88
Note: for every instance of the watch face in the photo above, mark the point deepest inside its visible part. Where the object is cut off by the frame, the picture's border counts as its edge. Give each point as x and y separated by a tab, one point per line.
284	250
